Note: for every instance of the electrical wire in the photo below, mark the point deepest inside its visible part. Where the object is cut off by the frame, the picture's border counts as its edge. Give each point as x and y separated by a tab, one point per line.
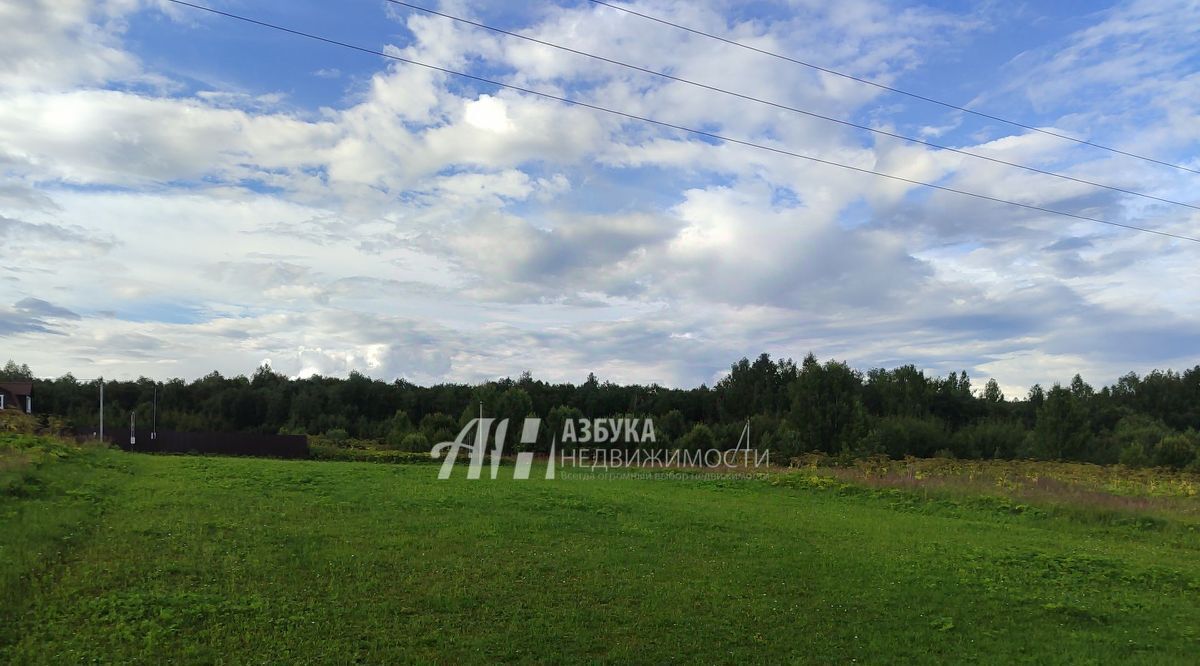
791	108
888	88
681	128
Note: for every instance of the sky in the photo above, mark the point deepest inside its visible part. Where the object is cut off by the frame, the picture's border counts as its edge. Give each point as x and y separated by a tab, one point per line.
181	192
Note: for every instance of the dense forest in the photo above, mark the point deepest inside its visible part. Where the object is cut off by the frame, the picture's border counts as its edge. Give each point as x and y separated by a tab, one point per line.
792	409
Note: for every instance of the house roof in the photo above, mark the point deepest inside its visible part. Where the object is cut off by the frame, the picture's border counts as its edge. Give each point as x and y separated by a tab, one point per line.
17	388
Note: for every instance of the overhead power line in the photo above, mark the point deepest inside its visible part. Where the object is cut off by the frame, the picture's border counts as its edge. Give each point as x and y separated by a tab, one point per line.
785	107
681	128
888	88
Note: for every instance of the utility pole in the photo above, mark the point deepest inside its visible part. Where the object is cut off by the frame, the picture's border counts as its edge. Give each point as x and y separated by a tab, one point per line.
154	418
101	409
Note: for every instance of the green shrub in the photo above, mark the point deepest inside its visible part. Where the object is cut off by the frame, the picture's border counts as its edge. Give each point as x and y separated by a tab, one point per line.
900	436
439	427
21	455
989	439
415	442
1140	430
699	438
395	429
1176	451
1134	454
12	420
783	444
337	435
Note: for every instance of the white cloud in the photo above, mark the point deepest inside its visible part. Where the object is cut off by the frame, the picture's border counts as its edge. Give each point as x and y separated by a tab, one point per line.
56	44
436	230
488	113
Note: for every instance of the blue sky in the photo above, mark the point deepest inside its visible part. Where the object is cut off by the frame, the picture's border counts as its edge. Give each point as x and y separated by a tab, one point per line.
183	192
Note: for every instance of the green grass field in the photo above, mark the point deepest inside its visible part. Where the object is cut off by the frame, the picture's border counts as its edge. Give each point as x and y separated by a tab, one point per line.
112	557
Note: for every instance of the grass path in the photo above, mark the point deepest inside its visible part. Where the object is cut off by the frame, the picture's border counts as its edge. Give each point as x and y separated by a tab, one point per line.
222	560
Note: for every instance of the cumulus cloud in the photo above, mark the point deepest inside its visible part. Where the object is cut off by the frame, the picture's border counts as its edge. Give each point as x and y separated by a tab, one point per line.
420	226
56	44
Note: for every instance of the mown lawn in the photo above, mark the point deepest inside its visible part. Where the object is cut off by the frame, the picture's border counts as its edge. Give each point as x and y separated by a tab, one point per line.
112	557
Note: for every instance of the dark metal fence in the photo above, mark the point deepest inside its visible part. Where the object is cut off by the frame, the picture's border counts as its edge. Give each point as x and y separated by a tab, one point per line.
222	443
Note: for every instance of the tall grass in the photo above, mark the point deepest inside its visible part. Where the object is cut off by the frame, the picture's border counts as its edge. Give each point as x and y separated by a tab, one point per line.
1086	491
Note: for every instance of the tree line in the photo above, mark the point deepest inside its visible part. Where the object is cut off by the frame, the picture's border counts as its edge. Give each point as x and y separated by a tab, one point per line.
791	408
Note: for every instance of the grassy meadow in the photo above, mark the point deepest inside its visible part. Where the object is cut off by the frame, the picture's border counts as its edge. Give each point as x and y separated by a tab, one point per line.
113	557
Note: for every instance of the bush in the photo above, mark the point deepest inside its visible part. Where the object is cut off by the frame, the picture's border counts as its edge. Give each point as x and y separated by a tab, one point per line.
784	444
1144	441
439	427
395	429
989	439
1176	451
337	435
415	442
12	420
1141	430
699	438
670	426
1134	454
900	436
